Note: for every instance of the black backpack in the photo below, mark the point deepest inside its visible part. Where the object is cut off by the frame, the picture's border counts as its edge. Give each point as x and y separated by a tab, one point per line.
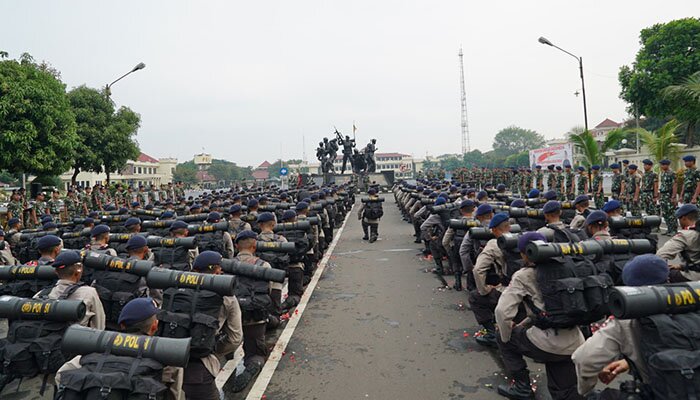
670	345
213	241
254	297
567	235
33	347
176	258
277	260
575	292
115	289
373	210
191	313
107	377
302	243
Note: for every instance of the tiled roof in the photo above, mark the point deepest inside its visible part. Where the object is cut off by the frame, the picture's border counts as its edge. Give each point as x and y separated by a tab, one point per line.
143	157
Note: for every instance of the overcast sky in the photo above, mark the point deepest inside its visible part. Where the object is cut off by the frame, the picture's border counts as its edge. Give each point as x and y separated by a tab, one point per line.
246	80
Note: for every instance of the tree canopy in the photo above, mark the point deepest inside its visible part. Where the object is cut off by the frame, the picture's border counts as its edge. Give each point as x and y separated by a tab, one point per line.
37	126
669	53
515	140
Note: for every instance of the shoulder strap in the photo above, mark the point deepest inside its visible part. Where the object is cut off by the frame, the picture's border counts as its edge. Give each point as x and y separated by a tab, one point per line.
71	289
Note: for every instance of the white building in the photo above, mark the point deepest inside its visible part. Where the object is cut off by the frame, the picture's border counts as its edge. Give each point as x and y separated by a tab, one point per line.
145	170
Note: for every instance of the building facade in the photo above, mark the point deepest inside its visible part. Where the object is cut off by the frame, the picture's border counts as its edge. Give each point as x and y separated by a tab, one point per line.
143	171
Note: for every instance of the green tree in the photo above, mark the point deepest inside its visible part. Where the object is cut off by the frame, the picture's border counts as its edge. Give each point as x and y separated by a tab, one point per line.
186	172
592	150
521	159
686	100
662	142
451	163
669	53
474	158
37	126
106	138
514	140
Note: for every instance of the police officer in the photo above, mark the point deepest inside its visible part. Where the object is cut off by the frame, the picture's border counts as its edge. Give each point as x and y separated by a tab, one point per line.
596	225
254	324
139	317
691	181
581	204
200	373
69	268
267	222
235	224
650	188
369	224
668	196
6	257
551	346
49	248
14	226
604	356
177	230
483	300
452	240
552	217
295	271
99	241
467	250
686	244
430	231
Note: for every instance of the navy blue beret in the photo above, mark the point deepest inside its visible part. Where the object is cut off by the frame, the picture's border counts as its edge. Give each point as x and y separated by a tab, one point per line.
66	258
48	241
2	232
178	225
528	237
136	242
137	310
252	203
689	158
595	167
558	167
482	194
647	161
484	209
289	214
581	168
533	194
538	166
625	161
518	203
611	205
444	195
615	166
467	203
132	221
266	217
13	221
440	201
371	191
551	206
550	195
665	162
246	234
645	269
550	166
135	204
314	196
686	209
498	219
234	209
49	226
596	217
123	211
632	166
99	229
500	187
206	260
168	214
581	199
302	205
213	216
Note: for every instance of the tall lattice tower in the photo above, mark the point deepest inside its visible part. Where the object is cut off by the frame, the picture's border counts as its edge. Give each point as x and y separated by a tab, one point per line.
466	146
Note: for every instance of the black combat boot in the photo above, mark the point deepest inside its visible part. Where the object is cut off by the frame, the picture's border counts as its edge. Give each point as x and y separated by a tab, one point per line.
365	228
520	389
374	233
488	339
242	381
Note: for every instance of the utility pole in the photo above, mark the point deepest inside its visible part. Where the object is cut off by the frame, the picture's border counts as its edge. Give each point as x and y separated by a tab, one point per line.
466	146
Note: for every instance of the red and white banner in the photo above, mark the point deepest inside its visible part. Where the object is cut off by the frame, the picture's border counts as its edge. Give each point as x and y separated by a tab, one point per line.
558	155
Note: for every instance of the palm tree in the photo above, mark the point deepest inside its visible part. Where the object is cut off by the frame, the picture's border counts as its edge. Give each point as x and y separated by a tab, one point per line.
661	143
592	150
686	98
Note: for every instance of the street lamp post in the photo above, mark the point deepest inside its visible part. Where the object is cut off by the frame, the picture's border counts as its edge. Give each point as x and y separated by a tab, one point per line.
138	66
544	40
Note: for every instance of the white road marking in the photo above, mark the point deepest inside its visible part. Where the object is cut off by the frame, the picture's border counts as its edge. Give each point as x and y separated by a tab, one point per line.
260	385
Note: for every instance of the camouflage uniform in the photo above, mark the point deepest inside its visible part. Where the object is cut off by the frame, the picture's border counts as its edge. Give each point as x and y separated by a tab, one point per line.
668	209
551	181
581	183
40	208
515	182
527	184
649	179
488	178
690	182
72	206
54	208
16	208
560	183
569	188
152	194
539	180
633	181
617	186
142	198
86	199
596	185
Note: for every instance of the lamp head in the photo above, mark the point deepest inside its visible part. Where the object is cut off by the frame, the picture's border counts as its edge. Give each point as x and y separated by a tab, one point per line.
138	67
544	40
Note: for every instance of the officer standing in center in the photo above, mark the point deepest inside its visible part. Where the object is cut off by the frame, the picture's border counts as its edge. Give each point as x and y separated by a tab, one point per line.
668	196
369	224
650	188
691	181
